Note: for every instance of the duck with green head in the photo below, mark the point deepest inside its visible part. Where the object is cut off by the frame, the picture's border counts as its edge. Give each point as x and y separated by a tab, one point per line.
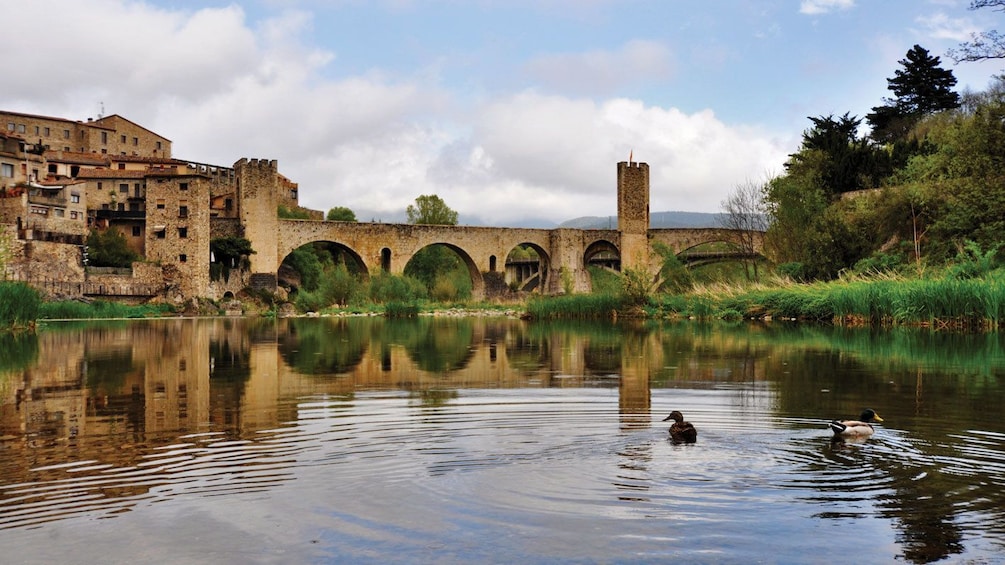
855	429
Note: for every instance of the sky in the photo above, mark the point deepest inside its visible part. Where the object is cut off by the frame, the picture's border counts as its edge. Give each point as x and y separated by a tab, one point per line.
514	112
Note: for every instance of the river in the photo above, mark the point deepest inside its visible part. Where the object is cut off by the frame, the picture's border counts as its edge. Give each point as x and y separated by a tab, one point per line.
494	440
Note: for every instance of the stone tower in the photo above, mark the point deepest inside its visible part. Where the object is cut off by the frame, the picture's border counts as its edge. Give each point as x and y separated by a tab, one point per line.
633	213
257	193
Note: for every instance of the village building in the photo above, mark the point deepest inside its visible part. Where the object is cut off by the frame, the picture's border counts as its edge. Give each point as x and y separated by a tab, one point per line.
62	179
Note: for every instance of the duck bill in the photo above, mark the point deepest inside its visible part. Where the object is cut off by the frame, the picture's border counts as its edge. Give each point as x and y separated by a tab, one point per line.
877	418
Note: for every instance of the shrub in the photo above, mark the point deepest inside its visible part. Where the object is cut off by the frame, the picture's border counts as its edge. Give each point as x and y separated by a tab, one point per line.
385	288
401	310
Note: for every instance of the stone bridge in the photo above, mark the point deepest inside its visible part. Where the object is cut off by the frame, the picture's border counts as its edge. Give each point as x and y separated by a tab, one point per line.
389	247
562	252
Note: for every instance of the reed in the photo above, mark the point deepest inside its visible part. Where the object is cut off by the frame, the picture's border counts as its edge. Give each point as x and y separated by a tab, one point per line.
401	309
19	305
575	306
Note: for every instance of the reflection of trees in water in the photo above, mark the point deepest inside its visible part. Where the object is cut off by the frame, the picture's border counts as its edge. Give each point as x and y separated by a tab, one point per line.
17	351
314	346
527	352
441	346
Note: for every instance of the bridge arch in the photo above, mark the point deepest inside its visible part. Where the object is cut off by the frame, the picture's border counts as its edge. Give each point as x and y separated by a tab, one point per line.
603	253
340	254
475	275
527	266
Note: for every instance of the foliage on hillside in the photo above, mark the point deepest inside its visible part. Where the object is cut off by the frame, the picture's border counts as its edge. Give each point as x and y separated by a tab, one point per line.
885	202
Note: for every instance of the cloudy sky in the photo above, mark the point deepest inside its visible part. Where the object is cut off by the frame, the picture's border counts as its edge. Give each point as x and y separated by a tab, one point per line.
514	112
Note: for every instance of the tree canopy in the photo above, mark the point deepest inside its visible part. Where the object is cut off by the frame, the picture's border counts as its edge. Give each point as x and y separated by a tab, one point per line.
109	249
431	209
341	214
922	87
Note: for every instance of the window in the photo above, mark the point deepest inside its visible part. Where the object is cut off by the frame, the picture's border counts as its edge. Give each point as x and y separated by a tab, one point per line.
182	258
122	166
52	168
73	215
99	185
162	233
123	139
160	203
183	211
158	145
58	212
183	186
182	233
46	130
123	187
20	128
66	135
136	140
74	198
136	231
8	171
10	126
37	129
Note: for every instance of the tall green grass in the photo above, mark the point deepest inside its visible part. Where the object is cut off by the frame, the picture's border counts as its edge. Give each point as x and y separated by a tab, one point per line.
19	305
575	306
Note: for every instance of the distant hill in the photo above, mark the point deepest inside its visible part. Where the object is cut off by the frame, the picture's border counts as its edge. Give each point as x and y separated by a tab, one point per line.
656	220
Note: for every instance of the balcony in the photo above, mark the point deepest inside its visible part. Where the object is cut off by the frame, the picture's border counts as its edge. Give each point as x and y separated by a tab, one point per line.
120	214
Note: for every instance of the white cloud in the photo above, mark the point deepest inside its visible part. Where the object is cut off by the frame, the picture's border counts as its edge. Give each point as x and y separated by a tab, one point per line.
941	26
222	89
811	7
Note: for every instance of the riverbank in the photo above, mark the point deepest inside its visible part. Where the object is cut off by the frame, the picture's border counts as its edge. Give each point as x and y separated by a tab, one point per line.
947	302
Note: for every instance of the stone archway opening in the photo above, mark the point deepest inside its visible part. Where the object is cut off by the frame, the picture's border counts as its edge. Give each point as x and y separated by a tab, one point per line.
311	266
447	272
527	267
720	260
603	254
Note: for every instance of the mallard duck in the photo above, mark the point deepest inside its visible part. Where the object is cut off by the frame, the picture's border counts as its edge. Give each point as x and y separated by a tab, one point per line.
861	428
681	431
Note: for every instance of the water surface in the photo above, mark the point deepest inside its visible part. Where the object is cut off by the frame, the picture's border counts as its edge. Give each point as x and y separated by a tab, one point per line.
494	440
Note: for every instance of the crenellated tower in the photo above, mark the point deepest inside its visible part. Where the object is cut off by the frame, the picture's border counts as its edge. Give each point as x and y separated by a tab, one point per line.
633	213
258	188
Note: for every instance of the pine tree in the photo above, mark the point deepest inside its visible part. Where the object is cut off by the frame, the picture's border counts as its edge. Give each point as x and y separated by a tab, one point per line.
922	87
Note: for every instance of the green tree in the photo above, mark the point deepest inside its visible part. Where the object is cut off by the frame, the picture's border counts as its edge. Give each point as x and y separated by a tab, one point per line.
984	45
227	253
431	209
922	87
838	159
437	266
109	249
341	214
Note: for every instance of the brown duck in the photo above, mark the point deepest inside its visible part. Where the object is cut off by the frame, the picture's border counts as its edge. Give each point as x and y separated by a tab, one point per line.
681	431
